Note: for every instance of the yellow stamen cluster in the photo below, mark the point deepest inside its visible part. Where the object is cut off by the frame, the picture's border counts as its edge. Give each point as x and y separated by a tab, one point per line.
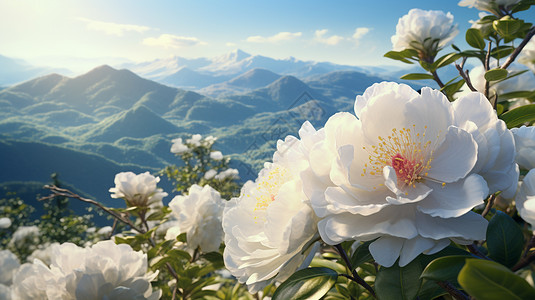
408	151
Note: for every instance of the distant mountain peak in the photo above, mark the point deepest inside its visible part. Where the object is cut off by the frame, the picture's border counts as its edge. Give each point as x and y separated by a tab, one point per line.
232	57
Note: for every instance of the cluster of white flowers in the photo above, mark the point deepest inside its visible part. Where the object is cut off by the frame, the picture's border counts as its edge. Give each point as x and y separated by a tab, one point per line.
196	140
407	178
103	271
424	31
198	214
138	190
24	235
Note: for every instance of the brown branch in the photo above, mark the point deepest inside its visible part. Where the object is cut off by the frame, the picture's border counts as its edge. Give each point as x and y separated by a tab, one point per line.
490	203
473	249
466	78
59	192
487	66
527	257
518	49
455	293
355	276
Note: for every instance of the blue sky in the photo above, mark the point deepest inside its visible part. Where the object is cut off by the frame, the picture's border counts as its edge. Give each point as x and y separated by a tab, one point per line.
68	33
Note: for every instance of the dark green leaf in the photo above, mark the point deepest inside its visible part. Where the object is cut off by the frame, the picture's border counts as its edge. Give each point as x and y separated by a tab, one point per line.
505	240
361	255
446	60
485	279
519	116
517	94
398	282
452	88
474	38
416	76
455	48
523	5
445	268
403	56
311	283
496	74
501	51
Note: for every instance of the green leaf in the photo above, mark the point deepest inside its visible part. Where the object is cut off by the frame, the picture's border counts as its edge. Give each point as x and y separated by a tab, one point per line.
517	94
452	88
398	282
501	51
403	56
507	27
321	262
361	254
474	38
446	60
496	74
311	283
416	76
519	116
505	240
485	279
523	5
445	268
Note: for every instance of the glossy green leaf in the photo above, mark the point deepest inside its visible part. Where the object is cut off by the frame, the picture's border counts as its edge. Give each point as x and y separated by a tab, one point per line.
311	283
517	94
505	240
445	268
507	27
452	88
519	116
489	280
361	254
446	60
523	5
321	262
501	51
416	76
402	55
496	74
474	38
398	282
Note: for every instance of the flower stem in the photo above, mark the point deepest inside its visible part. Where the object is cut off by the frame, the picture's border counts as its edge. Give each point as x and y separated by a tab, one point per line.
521	46
355	276
455	293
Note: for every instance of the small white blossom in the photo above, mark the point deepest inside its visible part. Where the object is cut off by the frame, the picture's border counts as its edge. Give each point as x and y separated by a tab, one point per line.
138	190
178	147
24	235
210	174
216	155
228	173
198	214
210	140
9	263
525	198
424	31
195	140
525	146
5	222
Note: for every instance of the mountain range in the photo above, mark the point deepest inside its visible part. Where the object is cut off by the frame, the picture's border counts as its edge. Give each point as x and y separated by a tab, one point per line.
89	127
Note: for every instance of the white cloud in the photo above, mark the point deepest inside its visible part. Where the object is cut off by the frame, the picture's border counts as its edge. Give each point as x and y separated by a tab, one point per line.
173	41
230	44
359	33
319	36
281	36
112	28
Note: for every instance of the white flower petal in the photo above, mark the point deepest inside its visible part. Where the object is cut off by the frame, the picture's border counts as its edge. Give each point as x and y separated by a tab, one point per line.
386	250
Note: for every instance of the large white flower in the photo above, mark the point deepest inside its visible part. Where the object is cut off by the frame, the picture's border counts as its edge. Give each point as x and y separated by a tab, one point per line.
525	146
525	198
9	263
199	215
270	229
402	174
104	271
425	31
138	190
492	6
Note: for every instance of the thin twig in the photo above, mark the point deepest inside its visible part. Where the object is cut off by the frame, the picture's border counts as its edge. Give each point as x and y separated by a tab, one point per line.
487	66
455	293
518	49
473	249
355	276
527	257
466	78
56	191
437	79
490	203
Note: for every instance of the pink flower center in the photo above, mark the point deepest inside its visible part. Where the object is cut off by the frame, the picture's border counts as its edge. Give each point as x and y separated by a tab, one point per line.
407	171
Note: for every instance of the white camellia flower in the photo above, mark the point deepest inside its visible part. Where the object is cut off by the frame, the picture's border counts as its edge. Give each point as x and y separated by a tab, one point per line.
5	223
199	215
525	146
178	146
403	173
270	230
216	155
525	198
195	140
425	31
138	190
489	5
104	271
9	263
228	173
